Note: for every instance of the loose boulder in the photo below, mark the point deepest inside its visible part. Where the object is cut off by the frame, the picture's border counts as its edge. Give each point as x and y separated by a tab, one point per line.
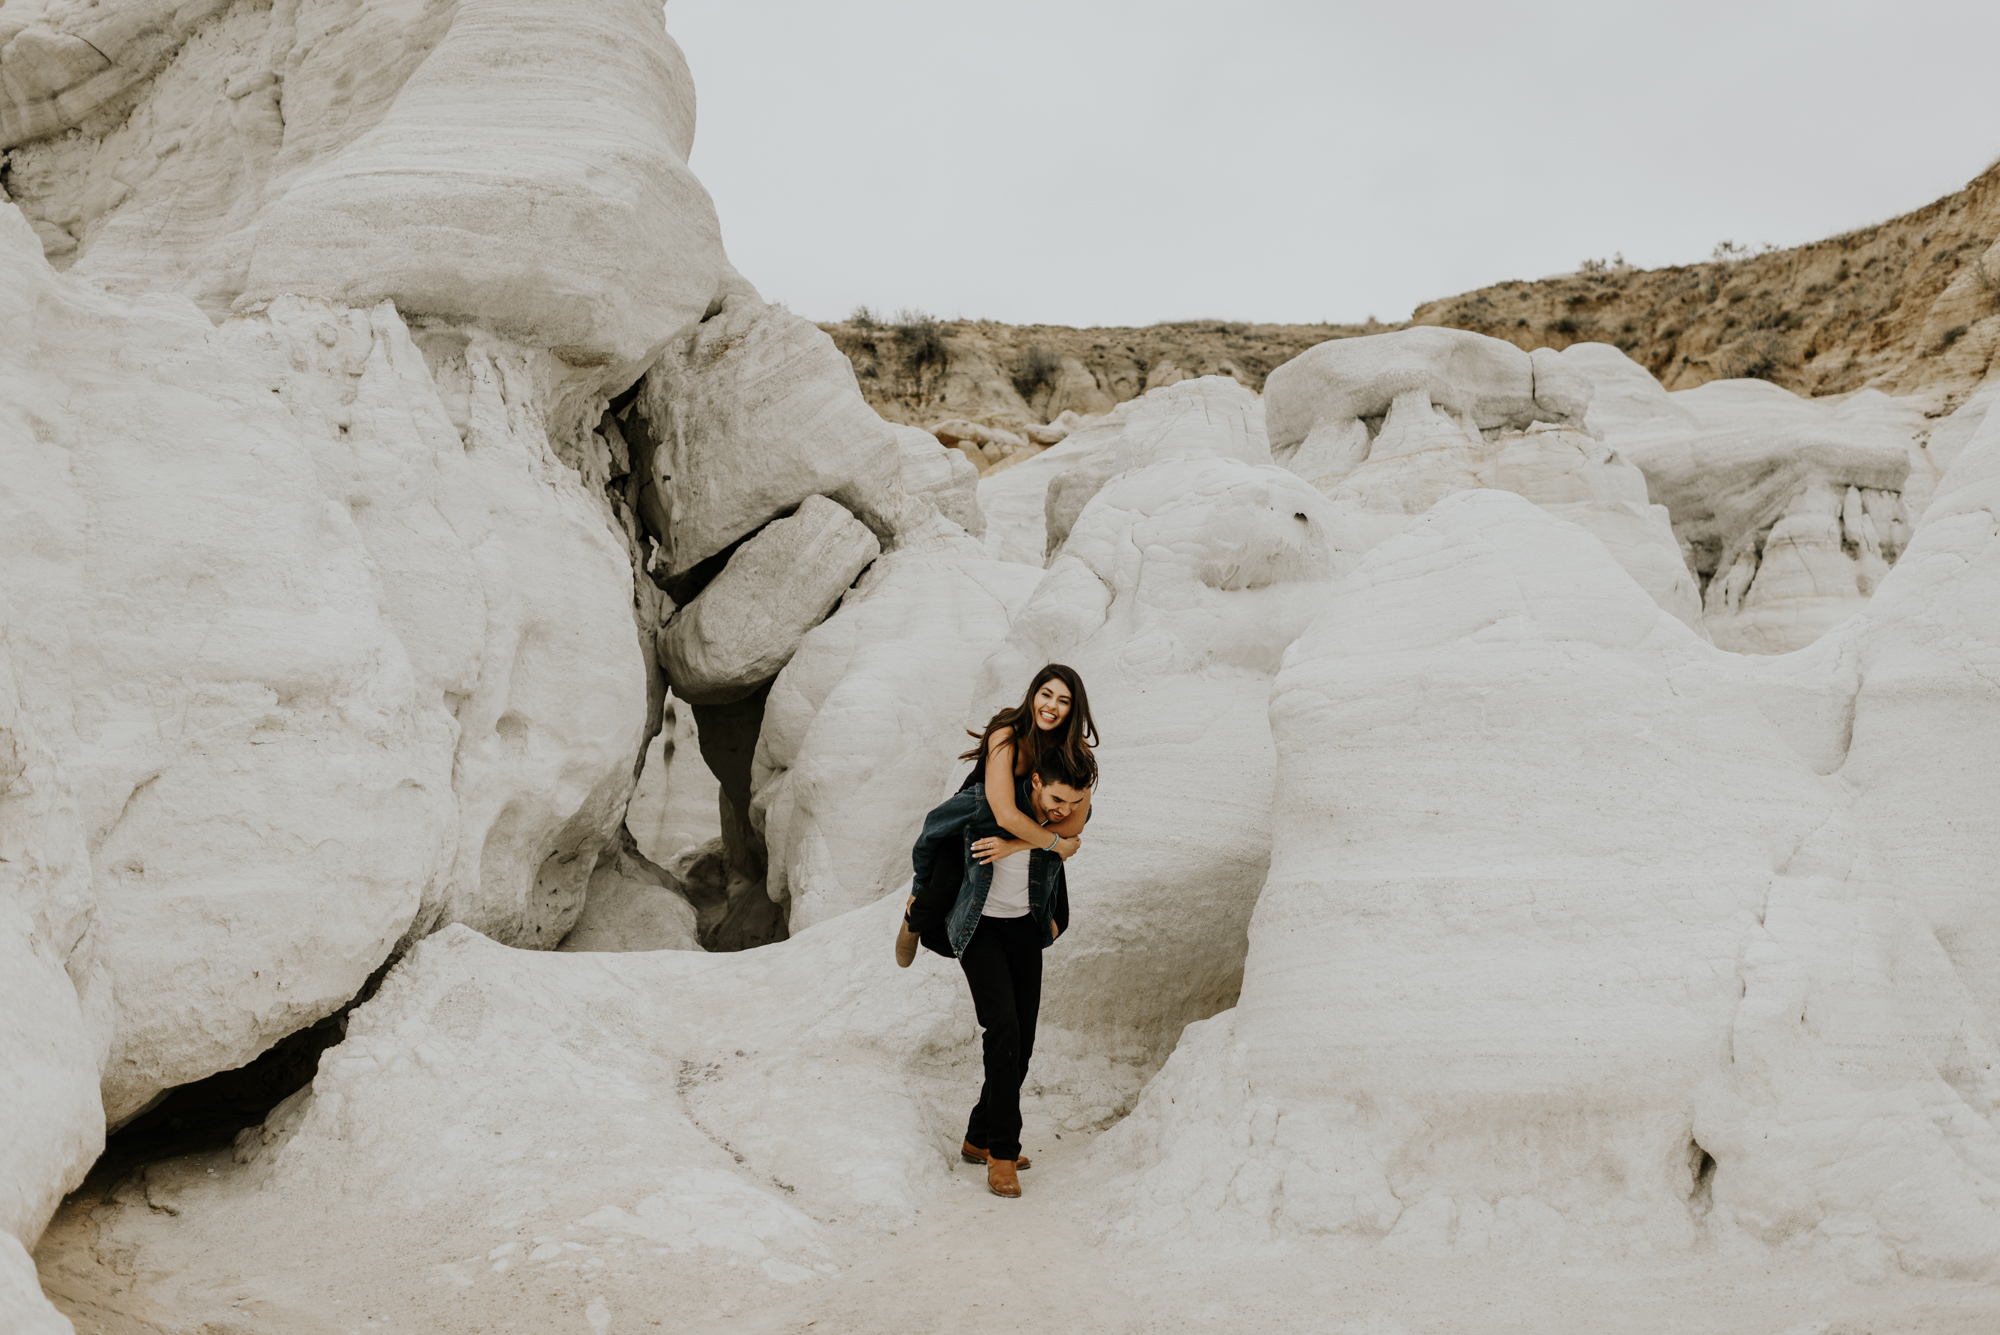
746	625
755	410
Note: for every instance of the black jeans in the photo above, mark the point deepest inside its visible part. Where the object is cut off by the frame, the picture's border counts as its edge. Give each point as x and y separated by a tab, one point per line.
1003	967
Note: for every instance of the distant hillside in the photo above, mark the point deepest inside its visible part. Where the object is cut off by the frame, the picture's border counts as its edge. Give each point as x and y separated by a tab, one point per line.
1906	306
1909	306
922	371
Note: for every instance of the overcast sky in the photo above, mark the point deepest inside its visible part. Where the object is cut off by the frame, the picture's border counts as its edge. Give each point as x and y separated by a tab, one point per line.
1089	162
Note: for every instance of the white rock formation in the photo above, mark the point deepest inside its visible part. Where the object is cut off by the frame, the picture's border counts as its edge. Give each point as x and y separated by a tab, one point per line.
749	415
1790	510
1947	441
669	1131
1212	417
755	410
1709	1000
365	661
1915	716
363	152
747	624
632	904
320	628
353	672
1447	960
866	718
1391	424
51	1117
1865	1128
862	726
61	65
673	808
23	1309
397	389
1174	597
1014	500
1622	393
360	152
592	149
939	478
227	703
1421	458
811	1077
1329	403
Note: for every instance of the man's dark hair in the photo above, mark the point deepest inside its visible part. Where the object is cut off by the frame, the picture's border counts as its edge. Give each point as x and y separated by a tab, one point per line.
1072	768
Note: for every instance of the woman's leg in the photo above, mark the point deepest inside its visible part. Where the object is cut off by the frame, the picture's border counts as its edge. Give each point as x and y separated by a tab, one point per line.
933	901
995	1124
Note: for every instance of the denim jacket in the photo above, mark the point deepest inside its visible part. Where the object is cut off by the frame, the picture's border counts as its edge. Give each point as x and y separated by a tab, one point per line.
950	830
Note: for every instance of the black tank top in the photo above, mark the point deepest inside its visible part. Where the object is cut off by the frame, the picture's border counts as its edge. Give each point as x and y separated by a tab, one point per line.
978	775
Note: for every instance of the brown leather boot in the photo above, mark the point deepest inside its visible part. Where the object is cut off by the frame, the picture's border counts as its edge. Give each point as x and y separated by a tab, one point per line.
1000	1178
971	1153
906	940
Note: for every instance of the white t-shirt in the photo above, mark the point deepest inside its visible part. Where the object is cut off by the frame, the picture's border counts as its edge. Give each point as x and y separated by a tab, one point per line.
1007	897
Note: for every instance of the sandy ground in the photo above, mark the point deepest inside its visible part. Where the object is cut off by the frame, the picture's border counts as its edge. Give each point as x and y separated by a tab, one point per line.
977	1264
974	1263
122	1259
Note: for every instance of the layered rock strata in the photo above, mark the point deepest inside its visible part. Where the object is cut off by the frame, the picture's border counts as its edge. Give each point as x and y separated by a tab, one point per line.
1779	1039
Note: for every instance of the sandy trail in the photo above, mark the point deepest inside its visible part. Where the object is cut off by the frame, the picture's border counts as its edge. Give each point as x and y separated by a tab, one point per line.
979	1265
974	1264
122	1258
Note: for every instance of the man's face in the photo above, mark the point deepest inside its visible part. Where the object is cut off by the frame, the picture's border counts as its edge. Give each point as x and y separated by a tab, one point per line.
1054	801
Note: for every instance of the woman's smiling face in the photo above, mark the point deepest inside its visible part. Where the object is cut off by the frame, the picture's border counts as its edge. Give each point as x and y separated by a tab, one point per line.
1051	704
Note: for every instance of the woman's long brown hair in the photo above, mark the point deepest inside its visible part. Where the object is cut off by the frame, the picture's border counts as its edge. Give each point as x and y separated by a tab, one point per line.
1074	738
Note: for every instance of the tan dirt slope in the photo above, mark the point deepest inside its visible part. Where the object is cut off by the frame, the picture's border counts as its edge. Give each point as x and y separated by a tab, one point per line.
923	372
1908	306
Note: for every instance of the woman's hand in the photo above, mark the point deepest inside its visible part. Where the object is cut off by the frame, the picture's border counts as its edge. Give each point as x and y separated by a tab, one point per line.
992	849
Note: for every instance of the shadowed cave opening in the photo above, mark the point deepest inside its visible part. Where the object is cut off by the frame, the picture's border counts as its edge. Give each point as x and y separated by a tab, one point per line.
1701	1196
208	1114
726	891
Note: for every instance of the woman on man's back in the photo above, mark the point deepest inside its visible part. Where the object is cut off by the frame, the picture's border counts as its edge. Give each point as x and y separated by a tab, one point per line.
989	887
